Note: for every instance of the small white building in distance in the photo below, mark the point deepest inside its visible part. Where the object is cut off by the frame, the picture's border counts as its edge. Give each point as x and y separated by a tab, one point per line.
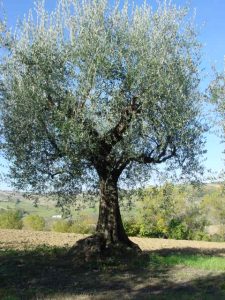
57	217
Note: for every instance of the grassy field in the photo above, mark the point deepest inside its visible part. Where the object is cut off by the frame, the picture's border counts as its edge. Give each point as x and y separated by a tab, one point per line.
45	208
35	265
42	210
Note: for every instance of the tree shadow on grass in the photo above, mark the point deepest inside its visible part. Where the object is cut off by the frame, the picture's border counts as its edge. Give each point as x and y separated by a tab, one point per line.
48	273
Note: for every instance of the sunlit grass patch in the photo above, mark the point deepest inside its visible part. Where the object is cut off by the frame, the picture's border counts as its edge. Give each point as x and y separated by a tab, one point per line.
200	261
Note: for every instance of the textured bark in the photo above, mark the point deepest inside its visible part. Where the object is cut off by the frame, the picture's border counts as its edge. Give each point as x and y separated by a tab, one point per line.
110	238
109	222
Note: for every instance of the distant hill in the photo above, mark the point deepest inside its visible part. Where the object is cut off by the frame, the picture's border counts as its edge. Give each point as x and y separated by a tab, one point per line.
47	206
18	200
11	196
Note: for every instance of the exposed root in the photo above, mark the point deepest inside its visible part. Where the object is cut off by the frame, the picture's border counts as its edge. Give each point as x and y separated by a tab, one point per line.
95	247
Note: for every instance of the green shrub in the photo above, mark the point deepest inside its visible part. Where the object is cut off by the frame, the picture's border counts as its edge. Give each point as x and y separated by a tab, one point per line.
178	230
11	219
152	230
200	236
145	230
61	226
34	222
154	225
82	228
131	227
216	238
171	211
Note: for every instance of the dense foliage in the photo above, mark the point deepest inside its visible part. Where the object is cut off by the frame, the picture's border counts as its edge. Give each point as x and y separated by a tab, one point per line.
94	93
169	212
11	219
34	222
89	78
217	95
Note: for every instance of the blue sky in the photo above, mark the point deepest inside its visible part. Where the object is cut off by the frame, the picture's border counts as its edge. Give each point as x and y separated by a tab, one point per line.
210	16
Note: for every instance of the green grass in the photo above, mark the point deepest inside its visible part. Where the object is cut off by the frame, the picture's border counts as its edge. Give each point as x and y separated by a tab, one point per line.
199	261
42	210
45	211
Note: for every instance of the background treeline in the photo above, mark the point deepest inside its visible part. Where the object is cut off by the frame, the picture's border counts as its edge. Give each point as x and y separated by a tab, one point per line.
169	211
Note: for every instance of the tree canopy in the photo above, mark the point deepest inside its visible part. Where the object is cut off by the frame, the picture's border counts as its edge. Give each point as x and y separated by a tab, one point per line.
91	90
217	95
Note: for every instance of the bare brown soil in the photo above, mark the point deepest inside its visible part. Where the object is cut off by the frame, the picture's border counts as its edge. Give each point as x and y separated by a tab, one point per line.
23	239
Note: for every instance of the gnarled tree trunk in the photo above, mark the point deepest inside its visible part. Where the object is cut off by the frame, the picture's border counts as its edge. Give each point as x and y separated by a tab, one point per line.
110	237
109	222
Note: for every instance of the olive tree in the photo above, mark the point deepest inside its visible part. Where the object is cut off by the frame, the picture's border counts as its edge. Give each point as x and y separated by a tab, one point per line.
99	92
217	95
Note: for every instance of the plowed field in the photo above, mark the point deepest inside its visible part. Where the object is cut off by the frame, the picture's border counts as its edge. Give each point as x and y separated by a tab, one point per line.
20	239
